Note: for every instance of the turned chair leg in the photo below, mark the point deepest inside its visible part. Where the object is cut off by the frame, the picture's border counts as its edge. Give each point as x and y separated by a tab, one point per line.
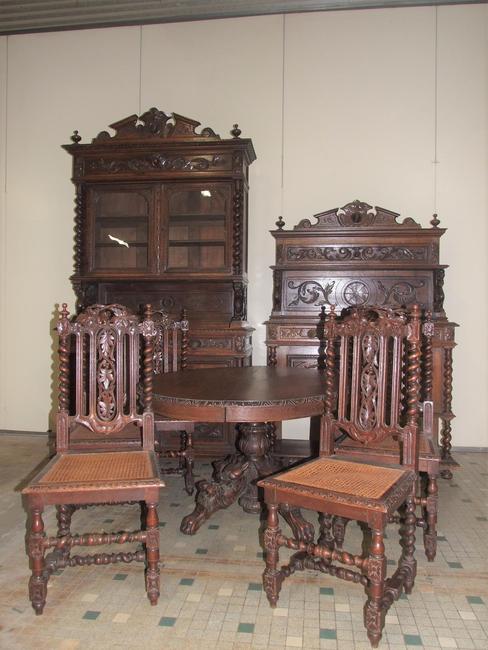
272	577
326	537
152	553
35	550
374	610
339	530
430	516
408	562
188	463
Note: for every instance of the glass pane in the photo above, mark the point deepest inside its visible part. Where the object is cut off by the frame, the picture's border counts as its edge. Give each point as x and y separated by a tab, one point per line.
197	228
121	230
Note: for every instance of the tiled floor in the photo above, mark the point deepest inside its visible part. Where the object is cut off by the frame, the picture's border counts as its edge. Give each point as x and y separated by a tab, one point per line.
211	593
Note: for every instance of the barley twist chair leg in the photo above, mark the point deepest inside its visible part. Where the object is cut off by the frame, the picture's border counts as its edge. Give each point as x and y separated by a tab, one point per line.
63	516
430	531
35	550
152	553
408	561
374	610
272	577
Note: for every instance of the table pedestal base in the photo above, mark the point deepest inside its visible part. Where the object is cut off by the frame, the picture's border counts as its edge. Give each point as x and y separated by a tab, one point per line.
235	478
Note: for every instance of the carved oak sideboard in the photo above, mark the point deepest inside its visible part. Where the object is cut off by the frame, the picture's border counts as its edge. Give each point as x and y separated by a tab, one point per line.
161	218
357	255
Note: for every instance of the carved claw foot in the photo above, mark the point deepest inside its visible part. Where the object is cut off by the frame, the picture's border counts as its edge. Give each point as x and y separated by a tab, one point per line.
216	495
446	474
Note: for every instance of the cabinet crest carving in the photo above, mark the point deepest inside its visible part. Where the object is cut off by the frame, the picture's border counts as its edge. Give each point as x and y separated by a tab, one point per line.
155	124
356	214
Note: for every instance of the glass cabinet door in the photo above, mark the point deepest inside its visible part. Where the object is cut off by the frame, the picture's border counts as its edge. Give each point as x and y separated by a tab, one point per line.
120	228
197	227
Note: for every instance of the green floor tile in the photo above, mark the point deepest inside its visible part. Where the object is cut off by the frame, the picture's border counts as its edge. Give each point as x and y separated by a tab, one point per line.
167	621
174	505
481	518
326	591
90	615
246	627
255	586
327	633
475	600
412	639
120	576
187	581
162	524
108	521
201	551
403	597
455	565
213	527
441	538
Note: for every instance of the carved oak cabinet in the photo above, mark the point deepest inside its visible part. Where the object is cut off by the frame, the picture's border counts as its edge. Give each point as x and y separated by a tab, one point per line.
359	255
161	218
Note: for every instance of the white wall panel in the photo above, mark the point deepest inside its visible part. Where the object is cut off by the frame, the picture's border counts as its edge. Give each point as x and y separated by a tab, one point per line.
463	207
359	108
56	82
3	142
222	72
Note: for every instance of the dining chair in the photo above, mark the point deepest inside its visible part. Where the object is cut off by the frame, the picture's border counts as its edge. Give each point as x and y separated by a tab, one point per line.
170	355
376	396
388	451
105	343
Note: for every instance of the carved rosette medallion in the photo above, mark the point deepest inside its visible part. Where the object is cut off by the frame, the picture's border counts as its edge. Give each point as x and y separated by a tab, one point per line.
356	293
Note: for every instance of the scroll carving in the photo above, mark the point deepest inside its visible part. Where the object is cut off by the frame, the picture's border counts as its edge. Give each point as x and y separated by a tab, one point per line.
355	253
152	162
310	292
401	293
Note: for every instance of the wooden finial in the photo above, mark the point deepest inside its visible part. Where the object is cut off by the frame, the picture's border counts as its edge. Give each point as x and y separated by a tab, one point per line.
76	137
236	132
435	221
280	223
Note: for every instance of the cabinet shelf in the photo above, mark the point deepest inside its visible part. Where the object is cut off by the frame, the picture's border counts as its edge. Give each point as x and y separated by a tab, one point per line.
196	217
132	244
122	219
197	242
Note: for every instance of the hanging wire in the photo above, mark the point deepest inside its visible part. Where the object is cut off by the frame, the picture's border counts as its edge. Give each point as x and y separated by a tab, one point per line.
283	115
140	69
435	161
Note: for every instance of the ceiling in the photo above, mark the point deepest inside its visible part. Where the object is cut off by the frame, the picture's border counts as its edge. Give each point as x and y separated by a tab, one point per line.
21	16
